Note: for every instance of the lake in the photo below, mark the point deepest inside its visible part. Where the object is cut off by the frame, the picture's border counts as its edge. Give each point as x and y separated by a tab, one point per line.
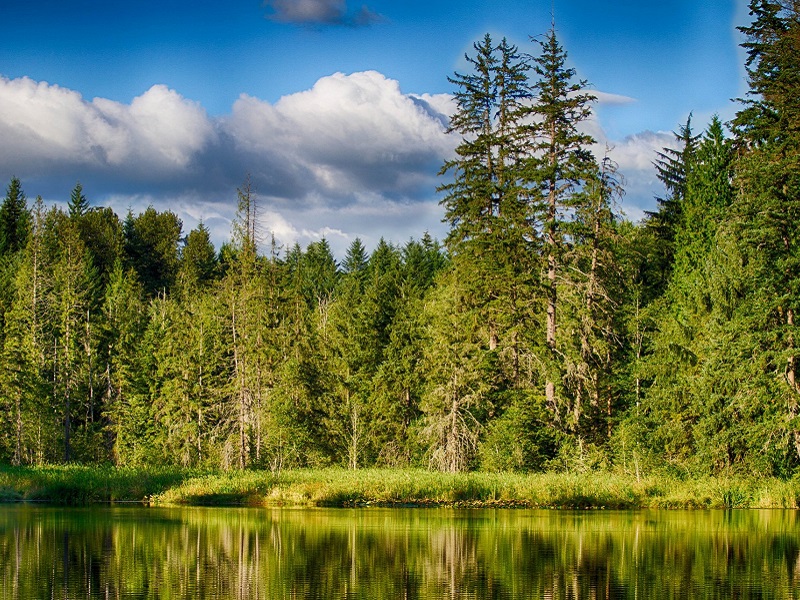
136	552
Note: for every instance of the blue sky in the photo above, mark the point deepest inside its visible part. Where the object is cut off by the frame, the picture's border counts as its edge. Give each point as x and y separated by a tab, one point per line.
335	107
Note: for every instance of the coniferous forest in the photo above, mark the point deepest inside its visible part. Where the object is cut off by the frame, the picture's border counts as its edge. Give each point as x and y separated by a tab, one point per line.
544	333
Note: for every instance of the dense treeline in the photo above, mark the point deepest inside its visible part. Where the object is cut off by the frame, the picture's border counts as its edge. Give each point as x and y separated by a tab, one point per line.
547	333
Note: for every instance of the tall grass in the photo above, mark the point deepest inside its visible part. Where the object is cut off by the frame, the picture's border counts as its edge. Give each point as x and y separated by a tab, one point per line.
409	487
80	485
396	487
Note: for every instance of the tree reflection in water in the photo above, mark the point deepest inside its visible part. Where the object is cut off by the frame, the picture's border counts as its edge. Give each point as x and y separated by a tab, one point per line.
396	553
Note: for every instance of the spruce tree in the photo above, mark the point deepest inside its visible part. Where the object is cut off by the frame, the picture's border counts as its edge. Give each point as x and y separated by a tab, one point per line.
14	219
672	168
767	209
483	203
126	398
355	261
198	261
78	205
686	398
152	249
556	171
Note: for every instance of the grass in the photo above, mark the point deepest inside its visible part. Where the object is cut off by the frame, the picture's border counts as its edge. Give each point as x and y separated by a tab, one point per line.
82	485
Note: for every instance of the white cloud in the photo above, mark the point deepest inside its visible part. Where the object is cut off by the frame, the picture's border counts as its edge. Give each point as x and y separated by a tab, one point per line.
612	99
347	133
353	151
352	156
48	125
42	122
634	155
637	152
159	126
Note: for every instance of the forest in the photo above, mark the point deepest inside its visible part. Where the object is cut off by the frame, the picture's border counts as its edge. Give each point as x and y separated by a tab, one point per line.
545	333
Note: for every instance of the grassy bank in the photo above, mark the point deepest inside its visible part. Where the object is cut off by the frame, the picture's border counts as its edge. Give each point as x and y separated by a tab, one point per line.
81	485
402	487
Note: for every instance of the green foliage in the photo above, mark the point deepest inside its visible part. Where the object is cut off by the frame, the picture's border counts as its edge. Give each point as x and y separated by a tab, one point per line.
198	261
337	487
549	335
78	205
520	439
151	249
14	219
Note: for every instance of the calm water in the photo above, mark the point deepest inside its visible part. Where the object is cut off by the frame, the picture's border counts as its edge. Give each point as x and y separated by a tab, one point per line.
395	553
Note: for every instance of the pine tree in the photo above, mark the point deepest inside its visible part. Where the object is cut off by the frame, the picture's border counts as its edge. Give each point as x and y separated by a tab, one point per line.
672	169
461	378
483	203
22	386
70	305
198	262
152	249
126	398
355	261
556	171
14	219
686	395
78	205
591	300
102	233
767	209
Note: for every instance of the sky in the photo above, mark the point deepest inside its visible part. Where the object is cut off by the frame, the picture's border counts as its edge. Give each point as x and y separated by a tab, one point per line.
336	109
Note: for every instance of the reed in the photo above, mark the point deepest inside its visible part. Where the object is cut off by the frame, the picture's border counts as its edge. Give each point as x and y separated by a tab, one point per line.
81	485
390	487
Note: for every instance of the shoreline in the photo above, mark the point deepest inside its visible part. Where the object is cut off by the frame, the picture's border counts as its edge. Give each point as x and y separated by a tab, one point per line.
400	488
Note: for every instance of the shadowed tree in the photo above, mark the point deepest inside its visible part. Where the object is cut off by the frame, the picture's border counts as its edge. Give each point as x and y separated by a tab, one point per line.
14	219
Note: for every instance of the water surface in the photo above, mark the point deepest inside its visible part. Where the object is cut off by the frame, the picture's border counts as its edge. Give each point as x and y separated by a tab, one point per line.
221	553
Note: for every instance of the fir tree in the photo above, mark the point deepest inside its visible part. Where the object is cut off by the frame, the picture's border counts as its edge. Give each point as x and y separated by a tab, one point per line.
14	219
767	209
555	172
78	205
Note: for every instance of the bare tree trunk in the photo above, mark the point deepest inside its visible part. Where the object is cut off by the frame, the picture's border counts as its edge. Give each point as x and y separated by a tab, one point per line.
18	449
67	399
87	346
552	299
791	367
791	377
354	410
239	378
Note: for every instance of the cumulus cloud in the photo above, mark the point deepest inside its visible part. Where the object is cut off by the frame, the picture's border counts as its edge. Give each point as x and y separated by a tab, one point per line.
54	127
347	134
352	156
321	160
319	12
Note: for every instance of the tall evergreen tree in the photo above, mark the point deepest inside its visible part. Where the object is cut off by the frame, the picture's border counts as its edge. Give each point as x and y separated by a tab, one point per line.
152	249
14	219
768	203
71	293
198	262
483	203
591	301
556	171
355	261
672	169
78	205
23	391
126	397
686	395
